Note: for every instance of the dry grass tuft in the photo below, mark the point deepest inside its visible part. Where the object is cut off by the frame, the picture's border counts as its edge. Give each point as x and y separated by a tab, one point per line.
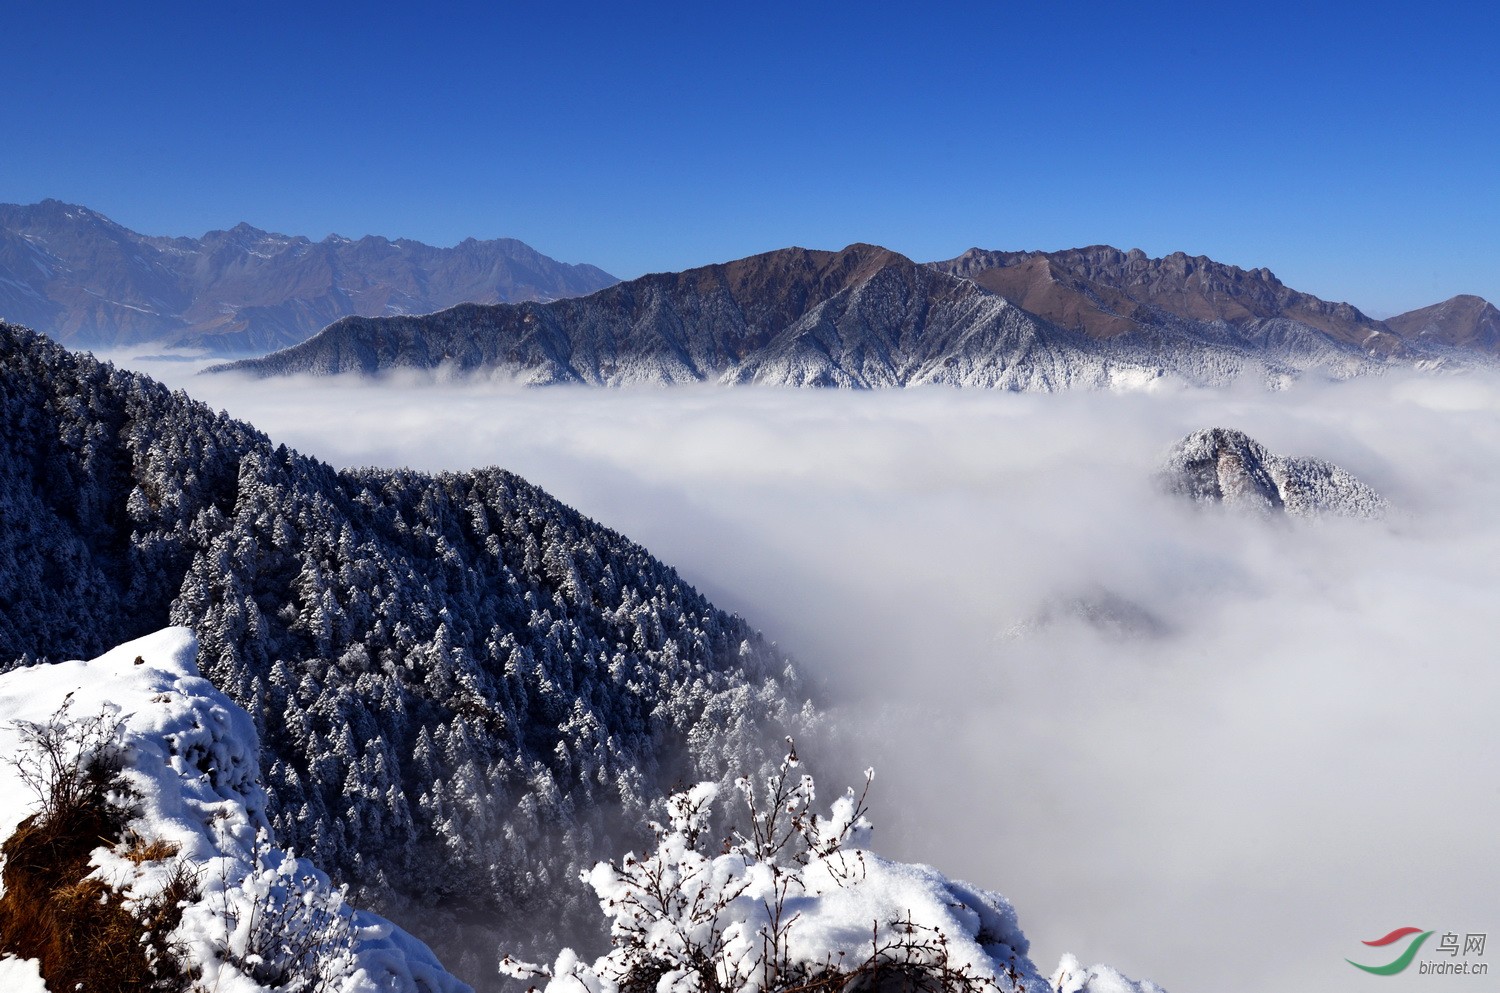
141	850
85	937
78	928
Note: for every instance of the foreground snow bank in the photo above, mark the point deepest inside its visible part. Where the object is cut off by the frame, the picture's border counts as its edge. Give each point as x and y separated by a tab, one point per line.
191	757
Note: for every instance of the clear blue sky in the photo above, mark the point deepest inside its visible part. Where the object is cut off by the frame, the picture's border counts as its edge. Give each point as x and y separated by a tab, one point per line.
1352	148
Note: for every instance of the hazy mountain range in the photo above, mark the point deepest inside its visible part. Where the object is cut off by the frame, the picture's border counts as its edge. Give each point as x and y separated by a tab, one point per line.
88	282
869	317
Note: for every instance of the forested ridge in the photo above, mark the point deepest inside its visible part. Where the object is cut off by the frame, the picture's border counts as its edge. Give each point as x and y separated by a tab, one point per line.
463	687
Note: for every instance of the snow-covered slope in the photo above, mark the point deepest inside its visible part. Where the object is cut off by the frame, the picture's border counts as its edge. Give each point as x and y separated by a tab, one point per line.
464	688
191	757
779	907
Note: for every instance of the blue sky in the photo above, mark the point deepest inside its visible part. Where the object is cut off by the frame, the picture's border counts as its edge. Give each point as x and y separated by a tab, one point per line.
1352	148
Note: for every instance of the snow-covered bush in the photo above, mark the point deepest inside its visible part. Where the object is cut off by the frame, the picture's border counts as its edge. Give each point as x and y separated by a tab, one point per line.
792	901
69	764
286	928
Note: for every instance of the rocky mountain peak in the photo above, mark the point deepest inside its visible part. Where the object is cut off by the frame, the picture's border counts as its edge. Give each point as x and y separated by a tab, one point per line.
1463	321
1106	292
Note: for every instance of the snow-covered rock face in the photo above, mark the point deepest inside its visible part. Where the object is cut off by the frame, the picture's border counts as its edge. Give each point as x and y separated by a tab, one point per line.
1219	465
191	758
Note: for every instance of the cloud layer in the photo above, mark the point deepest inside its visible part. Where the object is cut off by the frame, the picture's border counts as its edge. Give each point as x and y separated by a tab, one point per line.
1285	747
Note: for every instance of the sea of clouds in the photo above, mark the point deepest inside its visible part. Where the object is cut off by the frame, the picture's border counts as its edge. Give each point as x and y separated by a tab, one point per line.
1279	741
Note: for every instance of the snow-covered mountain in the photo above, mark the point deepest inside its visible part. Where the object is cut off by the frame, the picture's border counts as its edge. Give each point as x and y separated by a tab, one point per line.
867	317
87	281
860	317
465	691
452	694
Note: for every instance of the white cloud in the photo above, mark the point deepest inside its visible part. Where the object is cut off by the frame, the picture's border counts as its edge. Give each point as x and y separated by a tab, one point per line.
1305	760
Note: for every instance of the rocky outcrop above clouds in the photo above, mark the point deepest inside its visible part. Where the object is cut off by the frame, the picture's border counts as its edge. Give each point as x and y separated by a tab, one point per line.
1221	465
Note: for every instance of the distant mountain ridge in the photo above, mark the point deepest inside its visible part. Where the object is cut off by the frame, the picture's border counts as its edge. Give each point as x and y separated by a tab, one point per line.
88	282
1106	292
868	317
